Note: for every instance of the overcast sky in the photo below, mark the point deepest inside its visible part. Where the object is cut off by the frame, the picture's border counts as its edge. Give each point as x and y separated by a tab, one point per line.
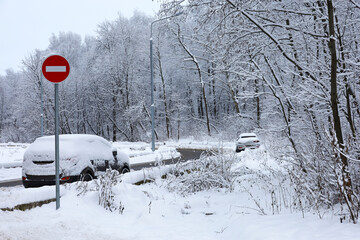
27	25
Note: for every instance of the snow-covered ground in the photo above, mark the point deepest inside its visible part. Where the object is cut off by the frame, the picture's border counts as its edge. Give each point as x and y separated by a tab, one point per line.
156	211
206	144
11	154
11	157
10	173
151	212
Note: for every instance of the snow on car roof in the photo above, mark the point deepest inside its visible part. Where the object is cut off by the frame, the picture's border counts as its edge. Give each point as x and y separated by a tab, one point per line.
78	138
248	135
70	145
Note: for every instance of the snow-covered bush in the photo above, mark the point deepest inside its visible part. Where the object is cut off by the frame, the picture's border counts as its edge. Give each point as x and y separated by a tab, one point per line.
105	186
323	180
206	173
272	185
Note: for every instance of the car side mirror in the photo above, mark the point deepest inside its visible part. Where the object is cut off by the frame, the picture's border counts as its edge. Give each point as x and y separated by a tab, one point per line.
114	153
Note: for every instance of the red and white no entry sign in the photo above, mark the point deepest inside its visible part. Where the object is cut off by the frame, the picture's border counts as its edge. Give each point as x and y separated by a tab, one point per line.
56	68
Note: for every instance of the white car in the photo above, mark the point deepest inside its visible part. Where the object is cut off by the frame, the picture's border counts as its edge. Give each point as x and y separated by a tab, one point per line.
81	157
247	140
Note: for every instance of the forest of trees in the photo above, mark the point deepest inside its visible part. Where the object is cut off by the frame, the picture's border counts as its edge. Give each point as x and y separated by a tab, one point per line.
289	70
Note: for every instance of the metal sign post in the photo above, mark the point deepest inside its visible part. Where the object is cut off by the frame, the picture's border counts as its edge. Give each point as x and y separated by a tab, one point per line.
42	106
57	161
56	69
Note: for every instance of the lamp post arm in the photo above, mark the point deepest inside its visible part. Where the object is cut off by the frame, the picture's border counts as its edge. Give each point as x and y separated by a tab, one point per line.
161	19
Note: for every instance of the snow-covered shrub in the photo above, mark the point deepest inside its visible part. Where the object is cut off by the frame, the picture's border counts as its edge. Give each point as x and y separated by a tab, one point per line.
105	185
318	175
331	177
206	173
83	187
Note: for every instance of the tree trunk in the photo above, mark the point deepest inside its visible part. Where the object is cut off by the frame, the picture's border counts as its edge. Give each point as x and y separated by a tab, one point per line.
193	58
167	118
348	90
333	81
257	100
114	118
346	179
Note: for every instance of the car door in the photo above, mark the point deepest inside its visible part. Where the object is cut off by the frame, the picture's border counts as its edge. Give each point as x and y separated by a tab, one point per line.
100	165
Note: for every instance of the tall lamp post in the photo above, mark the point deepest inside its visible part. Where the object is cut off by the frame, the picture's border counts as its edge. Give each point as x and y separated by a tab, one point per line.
152	80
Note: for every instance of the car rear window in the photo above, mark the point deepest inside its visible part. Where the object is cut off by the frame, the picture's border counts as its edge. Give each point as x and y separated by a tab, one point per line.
248	136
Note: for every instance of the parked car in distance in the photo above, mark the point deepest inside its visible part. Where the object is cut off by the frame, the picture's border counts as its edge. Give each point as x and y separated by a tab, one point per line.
81	157
247	140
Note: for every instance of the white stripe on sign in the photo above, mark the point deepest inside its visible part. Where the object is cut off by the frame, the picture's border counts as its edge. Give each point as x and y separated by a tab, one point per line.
55	69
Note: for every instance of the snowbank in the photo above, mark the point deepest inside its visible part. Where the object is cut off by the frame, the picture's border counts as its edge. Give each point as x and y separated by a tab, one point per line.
153	211
11	154
208	144
11	197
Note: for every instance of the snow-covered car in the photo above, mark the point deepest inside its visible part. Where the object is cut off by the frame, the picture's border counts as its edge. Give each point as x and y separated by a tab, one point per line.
247	140
81	157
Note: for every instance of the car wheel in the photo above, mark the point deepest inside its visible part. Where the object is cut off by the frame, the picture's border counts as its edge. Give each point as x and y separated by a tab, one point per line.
86	177
124	170
237	150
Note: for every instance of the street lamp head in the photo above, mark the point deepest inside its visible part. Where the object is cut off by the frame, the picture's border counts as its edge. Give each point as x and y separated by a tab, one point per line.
161	19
